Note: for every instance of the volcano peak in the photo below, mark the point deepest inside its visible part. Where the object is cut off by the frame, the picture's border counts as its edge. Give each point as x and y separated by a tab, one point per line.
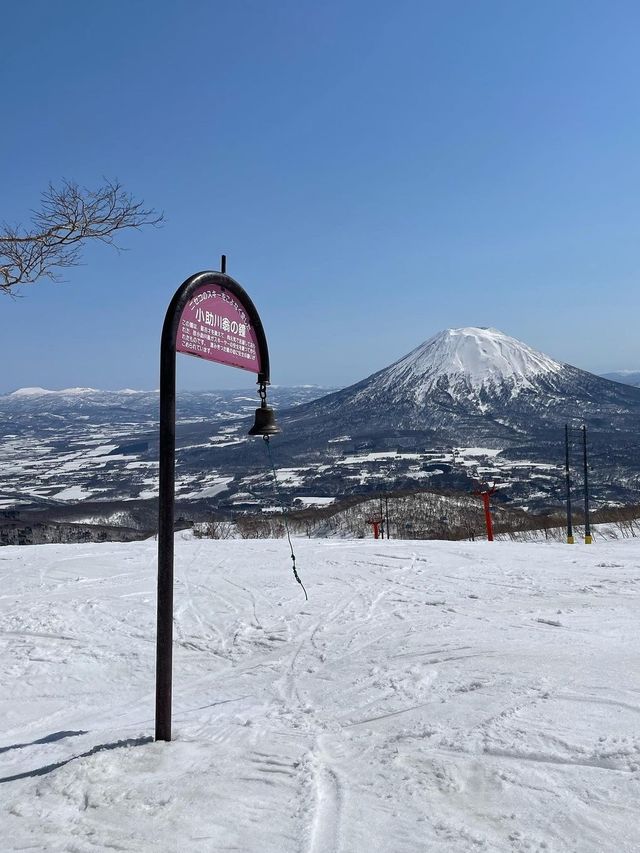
473	356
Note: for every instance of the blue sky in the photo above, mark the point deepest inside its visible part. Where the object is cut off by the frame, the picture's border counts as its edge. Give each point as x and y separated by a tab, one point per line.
375	171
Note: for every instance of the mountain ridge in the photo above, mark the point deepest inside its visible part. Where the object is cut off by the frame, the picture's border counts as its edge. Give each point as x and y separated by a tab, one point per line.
467	404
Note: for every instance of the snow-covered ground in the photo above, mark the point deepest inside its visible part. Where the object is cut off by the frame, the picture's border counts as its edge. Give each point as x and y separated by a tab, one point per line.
430	696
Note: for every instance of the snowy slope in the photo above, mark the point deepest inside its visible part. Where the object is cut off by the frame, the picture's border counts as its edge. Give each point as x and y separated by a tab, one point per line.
429	696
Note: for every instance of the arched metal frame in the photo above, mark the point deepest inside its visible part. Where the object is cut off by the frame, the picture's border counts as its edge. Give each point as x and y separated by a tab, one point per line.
167	454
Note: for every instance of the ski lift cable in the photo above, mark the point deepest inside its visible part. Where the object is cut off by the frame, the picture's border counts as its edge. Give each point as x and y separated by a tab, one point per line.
284	514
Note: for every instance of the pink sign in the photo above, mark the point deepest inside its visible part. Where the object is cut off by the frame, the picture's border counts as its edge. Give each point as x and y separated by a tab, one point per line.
215	326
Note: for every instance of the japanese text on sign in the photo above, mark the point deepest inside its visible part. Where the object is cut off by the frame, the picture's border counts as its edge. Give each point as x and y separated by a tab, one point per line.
214	325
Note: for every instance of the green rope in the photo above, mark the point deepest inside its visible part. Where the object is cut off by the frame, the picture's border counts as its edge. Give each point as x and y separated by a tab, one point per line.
284	514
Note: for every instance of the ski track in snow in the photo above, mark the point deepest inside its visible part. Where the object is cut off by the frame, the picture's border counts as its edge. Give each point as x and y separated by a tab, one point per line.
429	696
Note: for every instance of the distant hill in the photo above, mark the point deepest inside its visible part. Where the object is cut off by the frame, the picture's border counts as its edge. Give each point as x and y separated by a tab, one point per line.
627	377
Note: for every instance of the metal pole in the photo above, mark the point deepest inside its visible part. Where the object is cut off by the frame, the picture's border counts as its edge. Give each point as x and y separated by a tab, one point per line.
381	520
568	476
587	525
223	263
167	453
386	515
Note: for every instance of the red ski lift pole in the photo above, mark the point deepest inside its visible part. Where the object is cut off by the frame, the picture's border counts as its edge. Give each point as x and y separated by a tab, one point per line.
375	524
485	494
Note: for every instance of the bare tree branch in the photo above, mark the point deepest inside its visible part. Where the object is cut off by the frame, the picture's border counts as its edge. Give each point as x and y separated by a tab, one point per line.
68	216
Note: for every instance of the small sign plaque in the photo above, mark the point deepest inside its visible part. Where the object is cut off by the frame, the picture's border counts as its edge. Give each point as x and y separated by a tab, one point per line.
215	326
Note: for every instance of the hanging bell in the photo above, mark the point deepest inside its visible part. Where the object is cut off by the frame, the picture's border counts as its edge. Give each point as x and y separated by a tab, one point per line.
265	422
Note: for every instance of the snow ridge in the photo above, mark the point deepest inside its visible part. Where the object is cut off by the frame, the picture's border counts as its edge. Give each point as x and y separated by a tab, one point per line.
38	392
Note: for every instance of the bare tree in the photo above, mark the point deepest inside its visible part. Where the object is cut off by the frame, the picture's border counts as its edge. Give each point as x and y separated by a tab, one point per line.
68	216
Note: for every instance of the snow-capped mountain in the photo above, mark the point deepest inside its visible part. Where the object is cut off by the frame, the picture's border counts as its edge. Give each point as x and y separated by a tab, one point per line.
478	382
45	392
478	387
465	362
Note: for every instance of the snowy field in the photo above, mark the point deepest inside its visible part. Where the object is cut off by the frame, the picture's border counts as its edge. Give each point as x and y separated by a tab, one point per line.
430	696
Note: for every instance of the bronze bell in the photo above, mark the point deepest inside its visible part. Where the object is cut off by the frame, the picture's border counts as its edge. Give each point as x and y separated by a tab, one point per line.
265	423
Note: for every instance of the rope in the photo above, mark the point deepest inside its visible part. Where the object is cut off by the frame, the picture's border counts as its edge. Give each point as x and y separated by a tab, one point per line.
284	514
